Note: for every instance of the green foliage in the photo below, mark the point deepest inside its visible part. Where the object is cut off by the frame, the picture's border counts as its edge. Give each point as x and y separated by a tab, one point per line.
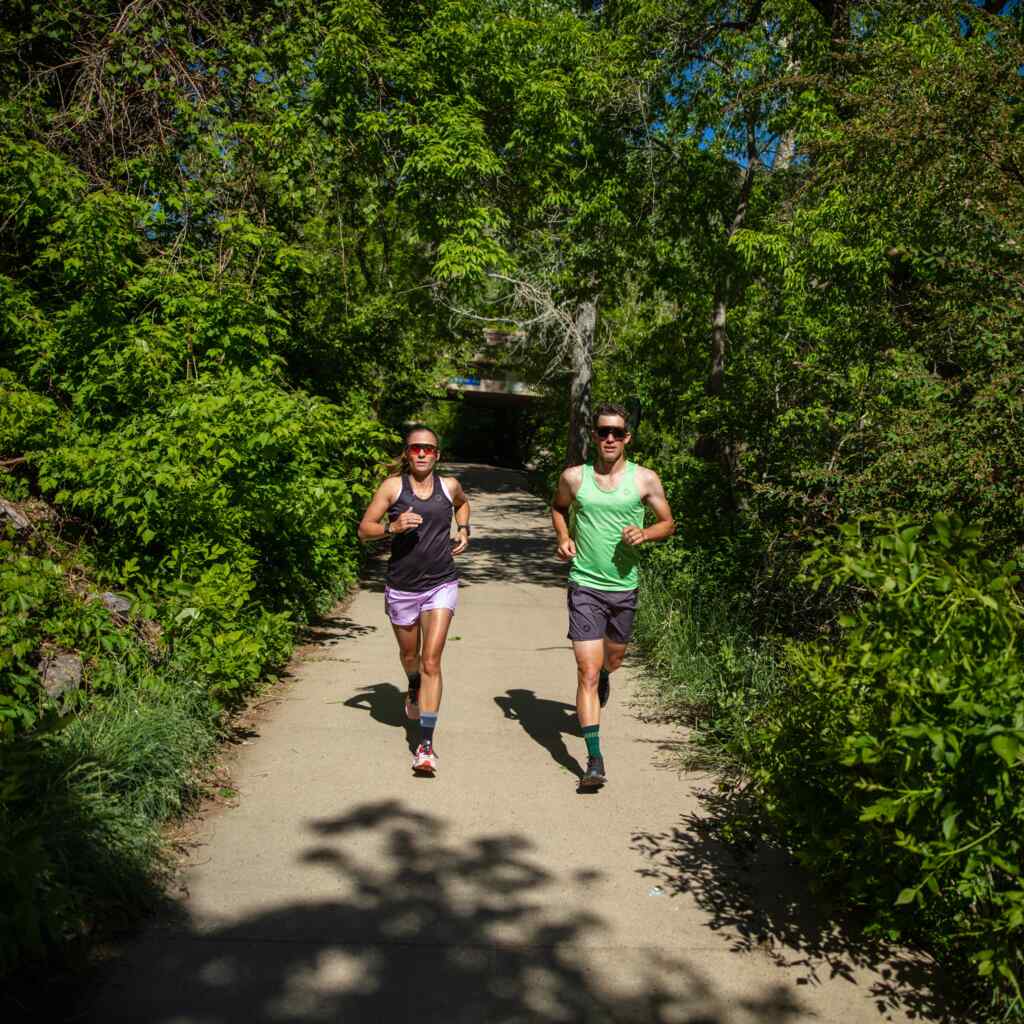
234	472
231	242
894	757
39	612
27	419
889	756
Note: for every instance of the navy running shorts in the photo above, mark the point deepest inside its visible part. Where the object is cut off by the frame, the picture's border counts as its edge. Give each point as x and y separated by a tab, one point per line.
596	614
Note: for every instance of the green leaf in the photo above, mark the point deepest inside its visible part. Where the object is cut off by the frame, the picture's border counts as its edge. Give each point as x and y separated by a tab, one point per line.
906	896
1007	747
949	825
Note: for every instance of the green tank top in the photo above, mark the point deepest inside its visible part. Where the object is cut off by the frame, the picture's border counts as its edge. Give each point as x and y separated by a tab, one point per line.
603	560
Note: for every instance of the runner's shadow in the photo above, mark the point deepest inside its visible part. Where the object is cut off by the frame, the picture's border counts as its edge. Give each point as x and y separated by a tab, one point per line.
386	704
545	722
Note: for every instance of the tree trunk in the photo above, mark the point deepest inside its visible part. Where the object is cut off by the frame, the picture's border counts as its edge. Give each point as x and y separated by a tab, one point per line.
723	284
719	339
840	24
786	152
582	364
786	149
714	447
836	15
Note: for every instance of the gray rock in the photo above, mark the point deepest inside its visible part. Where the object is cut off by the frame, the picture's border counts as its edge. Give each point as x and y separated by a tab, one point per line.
10	514
116	604
61	673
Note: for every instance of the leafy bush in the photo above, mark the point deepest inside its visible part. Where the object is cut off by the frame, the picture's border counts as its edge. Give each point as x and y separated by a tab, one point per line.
895	758
27	419
38	610
233	504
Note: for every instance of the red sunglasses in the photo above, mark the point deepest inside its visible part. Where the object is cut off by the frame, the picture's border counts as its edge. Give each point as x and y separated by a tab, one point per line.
423	449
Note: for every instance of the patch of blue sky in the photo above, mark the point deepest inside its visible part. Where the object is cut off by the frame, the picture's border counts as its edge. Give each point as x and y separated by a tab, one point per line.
1010	7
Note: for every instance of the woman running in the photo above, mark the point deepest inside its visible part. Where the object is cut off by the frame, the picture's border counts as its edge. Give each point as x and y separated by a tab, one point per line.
422	584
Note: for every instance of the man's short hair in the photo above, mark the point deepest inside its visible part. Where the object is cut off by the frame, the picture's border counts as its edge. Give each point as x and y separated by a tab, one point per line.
611	409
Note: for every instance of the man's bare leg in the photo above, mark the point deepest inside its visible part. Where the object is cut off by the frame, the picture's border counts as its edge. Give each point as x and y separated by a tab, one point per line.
589	659
614	652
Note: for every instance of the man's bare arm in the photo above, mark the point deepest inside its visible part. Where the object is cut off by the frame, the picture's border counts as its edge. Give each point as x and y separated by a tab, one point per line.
565	494
653	494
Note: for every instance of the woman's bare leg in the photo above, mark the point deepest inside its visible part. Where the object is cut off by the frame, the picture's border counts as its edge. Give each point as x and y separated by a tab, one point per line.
434	632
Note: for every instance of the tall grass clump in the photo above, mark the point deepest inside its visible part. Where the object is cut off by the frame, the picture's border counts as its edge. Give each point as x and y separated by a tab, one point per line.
81	810
707	666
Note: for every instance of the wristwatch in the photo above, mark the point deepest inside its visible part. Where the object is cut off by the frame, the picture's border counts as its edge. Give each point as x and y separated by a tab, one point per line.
387	528
464	526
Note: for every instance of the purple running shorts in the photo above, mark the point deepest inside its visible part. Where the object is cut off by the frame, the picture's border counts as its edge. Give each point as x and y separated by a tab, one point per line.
404	606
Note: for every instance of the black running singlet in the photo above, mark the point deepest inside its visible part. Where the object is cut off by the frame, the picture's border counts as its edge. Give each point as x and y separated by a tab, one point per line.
421	559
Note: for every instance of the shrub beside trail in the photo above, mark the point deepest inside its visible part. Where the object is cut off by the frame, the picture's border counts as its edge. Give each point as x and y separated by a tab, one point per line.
172	574
176	506
890	755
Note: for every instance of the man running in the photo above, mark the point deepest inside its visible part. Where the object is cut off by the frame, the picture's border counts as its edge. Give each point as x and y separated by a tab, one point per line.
422	583
608	501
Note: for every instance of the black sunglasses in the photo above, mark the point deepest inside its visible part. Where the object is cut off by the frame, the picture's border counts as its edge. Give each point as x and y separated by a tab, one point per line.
617	432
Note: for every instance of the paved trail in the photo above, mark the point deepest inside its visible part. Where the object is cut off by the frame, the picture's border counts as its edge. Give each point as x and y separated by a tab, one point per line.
343	889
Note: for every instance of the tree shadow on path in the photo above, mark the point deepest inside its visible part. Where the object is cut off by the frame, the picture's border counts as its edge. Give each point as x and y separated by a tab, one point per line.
545	722
333	631
425	928
386	704
760	900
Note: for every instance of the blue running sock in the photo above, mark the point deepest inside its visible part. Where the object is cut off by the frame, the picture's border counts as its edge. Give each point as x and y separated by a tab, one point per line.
428	719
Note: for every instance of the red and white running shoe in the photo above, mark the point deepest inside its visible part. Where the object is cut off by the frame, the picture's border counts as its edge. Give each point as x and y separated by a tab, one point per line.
425	761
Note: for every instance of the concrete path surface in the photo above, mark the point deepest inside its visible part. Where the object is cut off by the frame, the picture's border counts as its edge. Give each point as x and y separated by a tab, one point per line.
341	888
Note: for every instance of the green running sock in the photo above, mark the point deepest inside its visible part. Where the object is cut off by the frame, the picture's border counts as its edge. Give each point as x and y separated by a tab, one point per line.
593	740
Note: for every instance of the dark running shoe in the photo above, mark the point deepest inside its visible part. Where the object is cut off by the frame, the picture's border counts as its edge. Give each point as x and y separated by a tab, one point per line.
594	777
604	687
